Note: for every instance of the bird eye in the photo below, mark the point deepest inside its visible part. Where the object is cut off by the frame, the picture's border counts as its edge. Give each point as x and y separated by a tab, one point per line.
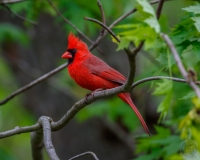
73	51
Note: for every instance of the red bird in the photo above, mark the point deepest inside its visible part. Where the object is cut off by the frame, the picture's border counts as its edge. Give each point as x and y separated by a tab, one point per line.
92	73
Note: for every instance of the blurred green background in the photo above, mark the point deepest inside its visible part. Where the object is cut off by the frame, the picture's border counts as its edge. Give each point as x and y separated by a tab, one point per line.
107	127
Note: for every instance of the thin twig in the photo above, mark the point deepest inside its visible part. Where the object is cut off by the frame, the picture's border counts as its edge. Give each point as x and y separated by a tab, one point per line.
98	40
102	94
103	25
19	130
158	12
132	57
40	79
82	103
160	78
69	22
33	83
72	25
160	5
179	63
45	121
102	15
19	16
132	54
85	153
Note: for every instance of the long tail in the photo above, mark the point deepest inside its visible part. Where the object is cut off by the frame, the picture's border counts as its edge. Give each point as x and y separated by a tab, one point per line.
127	98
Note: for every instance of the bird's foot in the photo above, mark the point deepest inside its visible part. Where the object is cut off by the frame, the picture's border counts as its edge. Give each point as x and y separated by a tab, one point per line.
92	93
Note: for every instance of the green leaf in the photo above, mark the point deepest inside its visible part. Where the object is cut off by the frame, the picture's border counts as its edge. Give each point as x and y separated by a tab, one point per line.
126	26
155	153
114	40
161	131
164	106
149	15
194	9
171	144
163	87
145	27
160	145
197	22
189	95
124	43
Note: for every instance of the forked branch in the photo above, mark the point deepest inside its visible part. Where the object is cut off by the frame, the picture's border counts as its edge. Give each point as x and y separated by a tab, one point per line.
81	104
179	63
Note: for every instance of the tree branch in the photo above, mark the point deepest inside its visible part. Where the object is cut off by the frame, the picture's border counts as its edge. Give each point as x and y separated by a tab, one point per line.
102	15
19	16
132	55
179	63
81	104
160	78
101	36
37	145
42	78
37	140
102	12
33	83
72	25
19	130
104	26
160	6
85	153
131	75
69	22
45	121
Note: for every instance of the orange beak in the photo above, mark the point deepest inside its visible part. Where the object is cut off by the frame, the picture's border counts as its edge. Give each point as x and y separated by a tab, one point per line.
67	55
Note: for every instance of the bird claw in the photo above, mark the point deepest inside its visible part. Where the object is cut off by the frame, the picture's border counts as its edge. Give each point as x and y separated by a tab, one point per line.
92	93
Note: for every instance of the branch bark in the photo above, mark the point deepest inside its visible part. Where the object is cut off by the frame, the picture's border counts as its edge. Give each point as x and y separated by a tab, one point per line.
19	16
37	138
37	145
104	26
33	83
179	63
42	78
159	9
45	121
72	25
102	14
81	104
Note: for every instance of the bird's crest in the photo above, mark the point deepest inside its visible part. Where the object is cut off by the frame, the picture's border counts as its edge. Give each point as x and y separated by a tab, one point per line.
75	43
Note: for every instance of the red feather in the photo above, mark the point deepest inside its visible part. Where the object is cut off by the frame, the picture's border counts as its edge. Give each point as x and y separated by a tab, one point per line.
92	73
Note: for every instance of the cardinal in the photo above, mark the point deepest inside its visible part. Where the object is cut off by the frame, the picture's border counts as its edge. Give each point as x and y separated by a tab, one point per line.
92	73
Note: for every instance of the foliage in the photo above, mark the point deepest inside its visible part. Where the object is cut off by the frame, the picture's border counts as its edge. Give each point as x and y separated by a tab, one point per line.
175	102
163	145
145	28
